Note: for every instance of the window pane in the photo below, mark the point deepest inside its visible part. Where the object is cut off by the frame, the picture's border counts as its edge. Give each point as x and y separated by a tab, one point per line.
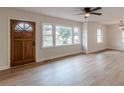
63	35
99	31
47	41
23	27
76	40
47	29
76	31
123	40
122	36
47	36
19	26
122	33
76	36
28	27
99	39
99	35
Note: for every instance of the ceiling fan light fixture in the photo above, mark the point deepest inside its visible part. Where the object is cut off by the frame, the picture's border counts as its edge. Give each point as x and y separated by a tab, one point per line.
87	14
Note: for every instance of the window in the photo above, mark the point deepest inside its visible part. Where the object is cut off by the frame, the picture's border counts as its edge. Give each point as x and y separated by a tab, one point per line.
63	35
122	36
100	35
23	27
57	35
76	36
47	35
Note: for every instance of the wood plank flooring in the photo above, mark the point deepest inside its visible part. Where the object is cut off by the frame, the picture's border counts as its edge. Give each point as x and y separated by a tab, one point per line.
104	68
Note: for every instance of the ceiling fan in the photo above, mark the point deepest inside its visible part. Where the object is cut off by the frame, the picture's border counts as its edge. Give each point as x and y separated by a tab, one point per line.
87	11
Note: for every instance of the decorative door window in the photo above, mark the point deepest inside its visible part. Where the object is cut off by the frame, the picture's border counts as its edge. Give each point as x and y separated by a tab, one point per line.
23	27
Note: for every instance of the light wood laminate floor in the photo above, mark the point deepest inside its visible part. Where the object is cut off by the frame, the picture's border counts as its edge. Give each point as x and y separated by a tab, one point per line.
104	68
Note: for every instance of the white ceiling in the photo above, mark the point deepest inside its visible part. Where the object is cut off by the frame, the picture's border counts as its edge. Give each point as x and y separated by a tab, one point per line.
111	15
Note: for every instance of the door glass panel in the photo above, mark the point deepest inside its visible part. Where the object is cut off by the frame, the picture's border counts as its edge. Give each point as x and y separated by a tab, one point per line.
23	27
28	27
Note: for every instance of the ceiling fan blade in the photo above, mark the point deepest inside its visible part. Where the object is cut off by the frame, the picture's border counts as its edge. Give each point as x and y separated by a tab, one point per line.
97	8
87	9
96	13
80	14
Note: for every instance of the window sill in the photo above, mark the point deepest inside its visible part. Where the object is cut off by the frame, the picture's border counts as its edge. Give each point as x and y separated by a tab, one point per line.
61	46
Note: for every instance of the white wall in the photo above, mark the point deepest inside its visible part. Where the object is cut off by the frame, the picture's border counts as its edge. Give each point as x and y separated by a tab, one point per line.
93	46
85	38
114	37
44	53
41	53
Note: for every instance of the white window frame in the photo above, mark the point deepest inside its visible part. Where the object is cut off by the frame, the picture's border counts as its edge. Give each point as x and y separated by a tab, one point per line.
54	35
102	35
122	36
79	36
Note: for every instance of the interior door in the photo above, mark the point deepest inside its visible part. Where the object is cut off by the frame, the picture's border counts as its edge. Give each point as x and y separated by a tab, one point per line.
22	42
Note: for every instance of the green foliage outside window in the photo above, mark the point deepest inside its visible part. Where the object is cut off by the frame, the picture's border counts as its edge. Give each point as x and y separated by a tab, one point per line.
65	34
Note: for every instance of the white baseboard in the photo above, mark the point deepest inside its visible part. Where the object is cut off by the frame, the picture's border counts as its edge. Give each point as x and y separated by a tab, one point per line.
67	54
4	67
116	49
97	50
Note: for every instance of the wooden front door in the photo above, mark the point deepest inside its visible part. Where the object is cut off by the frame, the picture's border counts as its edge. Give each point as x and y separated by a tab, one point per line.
22	42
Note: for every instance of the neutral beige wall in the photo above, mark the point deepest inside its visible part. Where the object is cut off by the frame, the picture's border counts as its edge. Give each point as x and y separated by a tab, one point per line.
85	37
92	39
41	53
114	37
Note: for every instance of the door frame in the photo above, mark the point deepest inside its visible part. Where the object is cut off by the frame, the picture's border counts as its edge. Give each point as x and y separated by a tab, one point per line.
12	42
